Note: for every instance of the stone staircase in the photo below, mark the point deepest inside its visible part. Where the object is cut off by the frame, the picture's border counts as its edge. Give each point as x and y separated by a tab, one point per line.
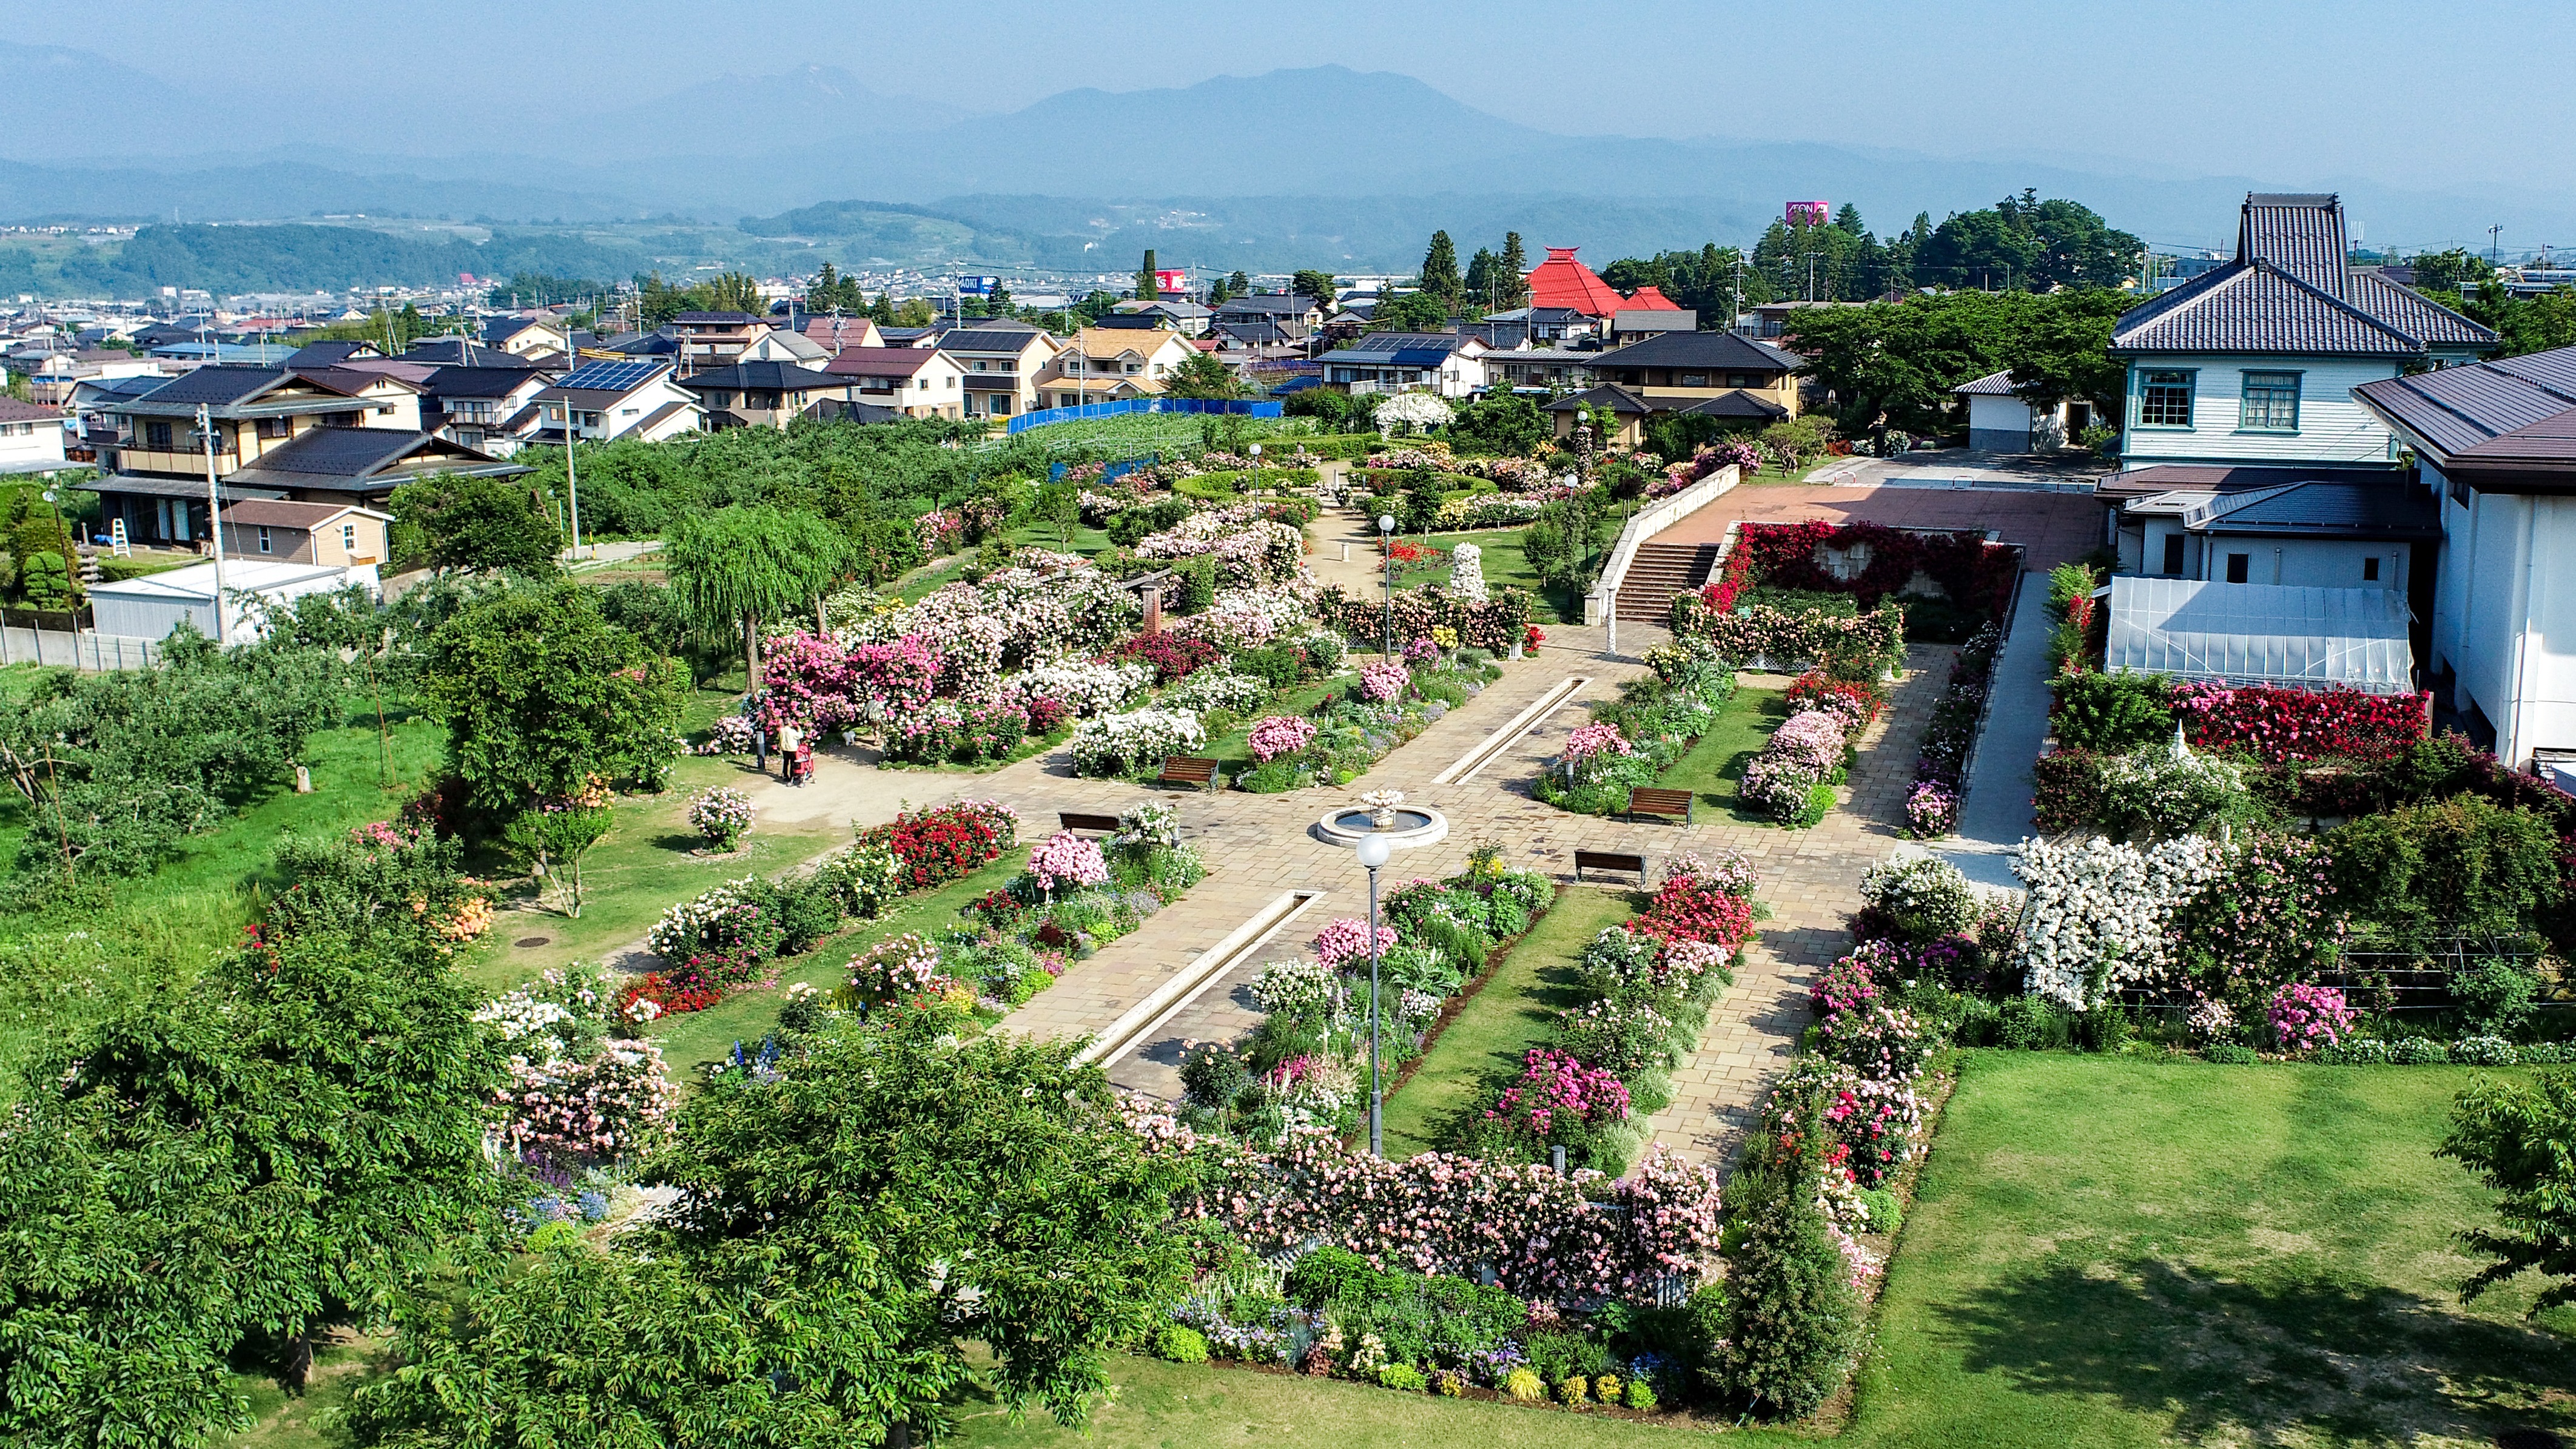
1659	571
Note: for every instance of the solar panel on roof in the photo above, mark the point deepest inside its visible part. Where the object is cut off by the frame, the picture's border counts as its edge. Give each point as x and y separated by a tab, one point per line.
609	376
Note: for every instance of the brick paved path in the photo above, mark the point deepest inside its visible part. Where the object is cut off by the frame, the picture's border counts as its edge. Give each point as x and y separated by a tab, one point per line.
1260	846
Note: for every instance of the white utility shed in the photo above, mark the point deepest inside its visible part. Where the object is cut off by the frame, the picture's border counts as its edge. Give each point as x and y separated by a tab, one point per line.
151	606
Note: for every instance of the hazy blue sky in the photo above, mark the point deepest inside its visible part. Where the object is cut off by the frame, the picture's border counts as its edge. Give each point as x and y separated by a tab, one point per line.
2415	94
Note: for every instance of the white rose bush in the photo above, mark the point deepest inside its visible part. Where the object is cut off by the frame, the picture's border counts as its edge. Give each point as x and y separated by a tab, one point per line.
2097	914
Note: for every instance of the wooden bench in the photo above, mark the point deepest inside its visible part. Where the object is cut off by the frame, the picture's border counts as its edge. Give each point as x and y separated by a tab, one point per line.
1673	805
1195	771
1608	860
1076	820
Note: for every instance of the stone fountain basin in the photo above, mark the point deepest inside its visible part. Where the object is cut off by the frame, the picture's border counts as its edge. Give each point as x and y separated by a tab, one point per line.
1414	825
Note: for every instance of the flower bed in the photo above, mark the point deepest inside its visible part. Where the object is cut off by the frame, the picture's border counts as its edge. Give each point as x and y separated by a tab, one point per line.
1793	778
1386	706
580	1088
1634	739
1075	896
2286	726
1496	625
1648	986
939	843
1941	763
1135	743
1304	1064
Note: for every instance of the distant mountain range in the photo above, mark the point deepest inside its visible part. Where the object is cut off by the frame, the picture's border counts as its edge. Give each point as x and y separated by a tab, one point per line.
1325	166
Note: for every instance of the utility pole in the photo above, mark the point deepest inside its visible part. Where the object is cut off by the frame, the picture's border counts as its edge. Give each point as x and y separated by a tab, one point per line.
214	516
572	477
2494	234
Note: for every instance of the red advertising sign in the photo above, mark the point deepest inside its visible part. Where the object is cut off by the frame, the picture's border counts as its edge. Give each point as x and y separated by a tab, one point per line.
1808	213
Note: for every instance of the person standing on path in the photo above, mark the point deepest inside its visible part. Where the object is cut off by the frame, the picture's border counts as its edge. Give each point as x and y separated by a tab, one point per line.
789	737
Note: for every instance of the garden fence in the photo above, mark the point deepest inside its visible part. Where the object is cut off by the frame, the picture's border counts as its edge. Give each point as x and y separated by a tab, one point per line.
2388	979
1084	412
84	650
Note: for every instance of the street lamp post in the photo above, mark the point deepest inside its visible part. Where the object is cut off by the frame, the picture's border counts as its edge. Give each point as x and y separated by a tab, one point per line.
1386	546
1373	853
1256	470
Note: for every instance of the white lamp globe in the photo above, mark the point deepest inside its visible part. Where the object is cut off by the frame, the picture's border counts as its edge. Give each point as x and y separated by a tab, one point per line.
1374	850
1386	523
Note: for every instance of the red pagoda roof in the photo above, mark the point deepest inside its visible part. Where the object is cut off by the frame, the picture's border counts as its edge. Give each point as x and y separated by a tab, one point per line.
1650	299
1561	281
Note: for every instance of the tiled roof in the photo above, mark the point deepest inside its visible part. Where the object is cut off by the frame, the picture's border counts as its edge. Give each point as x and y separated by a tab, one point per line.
1993	384
984	338
279	513
881	361
2291	290
1735	403
1699	349
1273	304
14	411
2512	413
217	385
784	375
2257	307
1617	399
1650	299
2323	506
1561	281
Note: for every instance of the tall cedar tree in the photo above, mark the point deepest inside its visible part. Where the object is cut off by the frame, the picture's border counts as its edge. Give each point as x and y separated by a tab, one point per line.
1440	278
1148	287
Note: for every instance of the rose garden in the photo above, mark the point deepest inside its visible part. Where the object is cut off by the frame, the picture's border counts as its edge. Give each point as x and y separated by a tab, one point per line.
553	1064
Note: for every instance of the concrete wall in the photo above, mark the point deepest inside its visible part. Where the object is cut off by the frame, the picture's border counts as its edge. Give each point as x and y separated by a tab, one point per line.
2312	563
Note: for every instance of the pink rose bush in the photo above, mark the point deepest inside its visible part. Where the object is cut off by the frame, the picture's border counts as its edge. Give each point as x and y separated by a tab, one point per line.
1803	753
1345	943
1280	734
1590	744
1384	682
1555	1091
1067	861
2303	1017
896	968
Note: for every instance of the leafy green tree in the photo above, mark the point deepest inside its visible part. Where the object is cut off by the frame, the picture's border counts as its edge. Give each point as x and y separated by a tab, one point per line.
832	292
736	567
1059	506
1318	285
2454	271
2520	1138
1202	375
540	694
1708	281
845	1227
2024	242
1440	272
1409	312
2525	324
294	1141
471	524
1892	364
1514	268
1500	422
554	838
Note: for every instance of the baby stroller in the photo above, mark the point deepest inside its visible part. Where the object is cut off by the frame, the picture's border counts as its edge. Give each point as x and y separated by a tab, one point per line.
802	767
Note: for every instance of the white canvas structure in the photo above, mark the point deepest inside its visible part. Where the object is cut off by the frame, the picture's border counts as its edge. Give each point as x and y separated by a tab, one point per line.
151	606
2261	634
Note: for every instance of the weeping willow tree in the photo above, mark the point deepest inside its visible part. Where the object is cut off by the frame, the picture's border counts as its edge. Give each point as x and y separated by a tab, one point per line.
735	567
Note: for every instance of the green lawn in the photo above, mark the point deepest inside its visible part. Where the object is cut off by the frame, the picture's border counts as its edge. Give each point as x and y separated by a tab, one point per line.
643	867
1716	761
2122	1251
1234	747
1504	563
2105	1251
1499	1024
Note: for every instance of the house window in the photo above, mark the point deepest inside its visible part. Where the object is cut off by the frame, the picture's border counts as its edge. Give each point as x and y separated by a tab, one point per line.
157	436
272	427
348	538
1694	379
2370	569
2238	566
265	548
1743	379
2165	400
2173	553
2271	402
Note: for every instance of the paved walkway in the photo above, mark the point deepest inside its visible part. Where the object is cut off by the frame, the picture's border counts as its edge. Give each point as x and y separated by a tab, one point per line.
2054	527
1996	815
1261	846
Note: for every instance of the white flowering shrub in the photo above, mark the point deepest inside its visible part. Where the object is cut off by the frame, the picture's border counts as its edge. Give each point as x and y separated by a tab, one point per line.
1116	744
1467	573
1925	899
1085	686
2159	792
1419	411
1250	618
1302	987
2097	912
1210	690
